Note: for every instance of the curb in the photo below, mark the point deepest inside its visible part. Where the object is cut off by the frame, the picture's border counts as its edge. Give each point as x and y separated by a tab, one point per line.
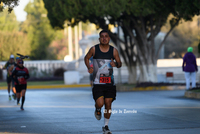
52	86
150	88
120	88
190	94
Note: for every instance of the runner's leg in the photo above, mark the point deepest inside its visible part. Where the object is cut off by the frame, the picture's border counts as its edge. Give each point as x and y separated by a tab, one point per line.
18	92
18	98
23	98
107	113
9	84
13	90
98	105
99	102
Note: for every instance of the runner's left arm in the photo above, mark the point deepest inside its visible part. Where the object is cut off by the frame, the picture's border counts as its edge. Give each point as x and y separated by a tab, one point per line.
27	74
118	62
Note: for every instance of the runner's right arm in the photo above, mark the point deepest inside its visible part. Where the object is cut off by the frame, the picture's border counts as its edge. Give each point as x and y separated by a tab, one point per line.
10	69
5	66
14	76
87	57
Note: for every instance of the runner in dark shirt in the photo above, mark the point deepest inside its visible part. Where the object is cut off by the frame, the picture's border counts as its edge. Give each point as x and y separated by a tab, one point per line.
104	89
7	66
20	74
10	74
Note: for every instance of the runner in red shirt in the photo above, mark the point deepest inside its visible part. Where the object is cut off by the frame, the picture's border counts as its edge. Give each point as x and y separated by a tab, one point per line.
20	75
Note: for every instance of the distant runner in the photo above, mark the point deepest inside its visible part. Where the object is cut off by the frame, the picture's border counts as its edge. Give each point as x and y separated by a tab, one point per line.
10	73
8	78
20	74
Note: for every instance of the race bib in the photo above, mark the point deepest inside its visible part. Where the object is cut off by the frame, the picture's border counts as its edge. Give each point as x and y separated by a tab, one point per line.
105	79
20	79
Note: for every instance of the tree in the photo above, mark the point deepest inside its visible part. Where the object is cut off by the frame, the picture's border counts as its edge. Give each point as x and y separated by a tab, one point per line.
38	29
12	41
58	49
140	21
8	3
184	35
8	21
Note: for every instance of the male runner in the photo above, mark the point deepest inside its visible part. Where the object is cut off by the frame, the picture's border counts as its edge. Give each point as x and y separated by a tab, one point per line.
10	73
9	79
104	89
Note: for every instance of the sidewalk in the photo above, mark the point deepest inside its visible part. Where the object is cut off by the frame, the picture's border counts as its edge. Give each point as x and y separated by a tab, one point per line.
192	94
122	88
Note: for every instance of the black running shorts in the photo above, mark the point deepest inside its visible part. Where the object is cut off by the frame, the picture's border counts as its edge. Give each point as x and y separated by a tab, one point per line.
9	79
19	88
107	91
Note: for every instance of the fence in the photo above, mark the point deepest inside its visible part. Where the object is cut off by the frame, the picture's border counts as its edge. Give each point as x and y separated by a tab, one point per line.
43	68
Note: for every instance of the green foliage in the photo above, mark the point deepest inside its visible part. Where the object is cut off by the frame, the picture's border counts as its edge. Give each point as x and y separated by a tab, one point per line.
40	32
199	48
11	40
140	20
144	17
8	3
184	35
8	21
12	43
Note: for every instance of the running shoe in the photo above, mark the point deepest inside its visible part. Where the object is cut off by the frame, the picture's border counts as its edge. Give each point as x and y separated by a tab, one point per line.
10	97
97	114
106	130
21	108
14	96
18	103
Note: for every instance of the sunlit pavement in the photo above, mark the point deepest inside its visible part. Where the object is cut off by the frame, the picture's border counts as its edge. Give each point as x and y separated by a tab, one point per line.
71	110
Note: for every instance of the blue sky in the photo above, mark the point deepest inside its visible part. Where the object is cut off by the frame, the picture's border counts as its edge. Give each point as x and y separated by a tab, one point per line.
19	10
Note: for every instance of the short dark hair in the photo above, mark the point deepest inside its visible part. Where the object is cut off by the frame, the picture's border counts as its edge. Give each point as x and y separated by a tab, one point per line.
103	31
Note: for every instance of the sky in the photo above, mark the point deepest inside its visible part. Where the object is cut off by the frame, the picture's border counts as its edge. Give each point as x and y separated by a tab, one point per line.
19	10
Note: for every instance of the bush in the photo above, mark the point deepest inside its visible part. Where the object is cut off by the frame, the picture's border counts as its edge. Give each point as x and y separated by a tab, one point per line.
59	72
